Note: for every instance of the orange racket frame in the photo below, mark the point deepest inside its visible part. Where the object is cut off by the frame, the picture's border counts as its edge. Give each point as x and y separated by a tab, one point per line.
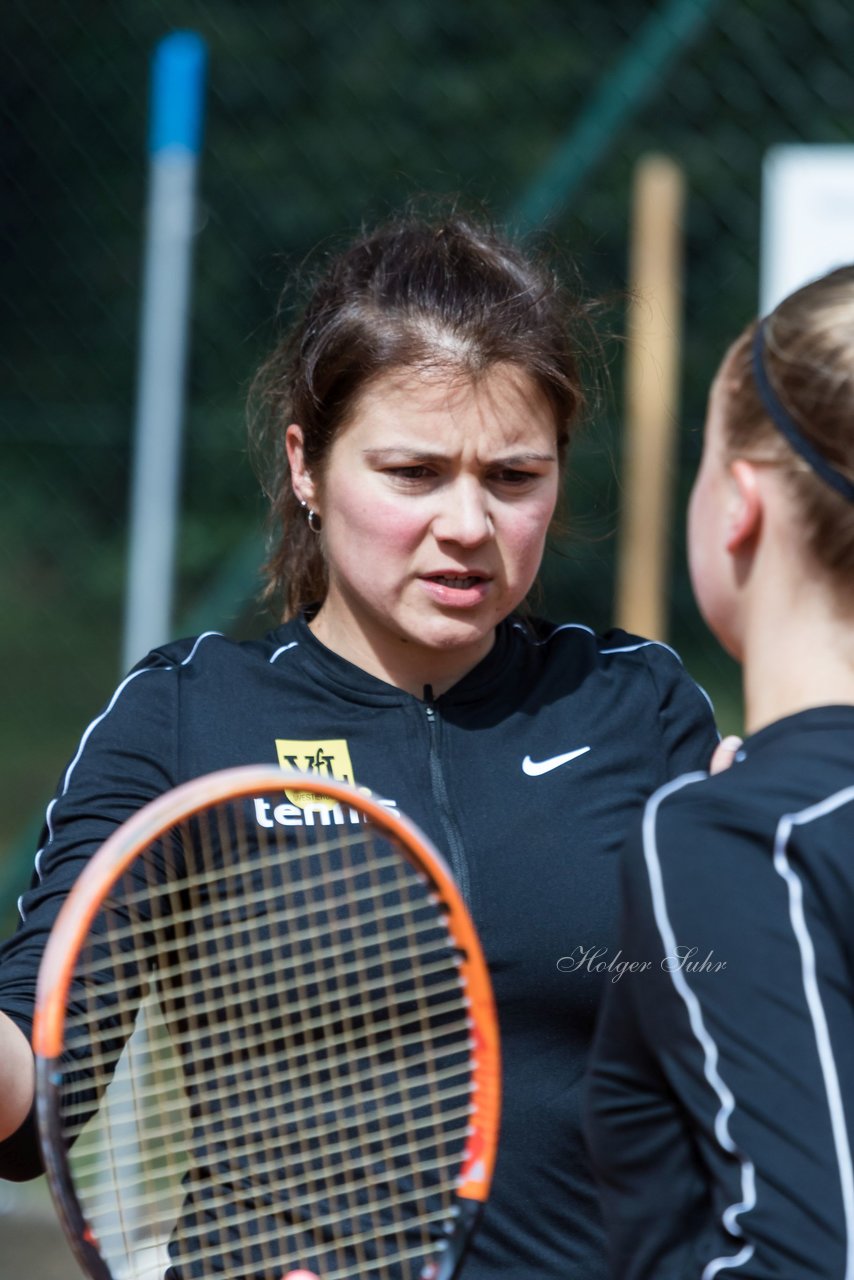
113	860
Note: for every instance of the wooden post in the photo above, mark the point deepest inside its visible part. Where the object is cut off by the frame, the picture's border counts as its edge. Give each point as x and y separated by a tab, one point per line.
652	397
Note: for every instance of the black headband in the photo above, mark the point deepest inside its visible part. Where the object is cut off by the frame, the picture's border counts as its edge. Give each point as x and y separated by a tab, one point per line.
786	425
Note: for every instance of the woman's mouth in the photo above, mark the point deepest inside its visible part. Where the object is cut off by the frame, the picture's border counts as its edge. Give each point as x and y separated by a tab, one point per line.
462	590
454	580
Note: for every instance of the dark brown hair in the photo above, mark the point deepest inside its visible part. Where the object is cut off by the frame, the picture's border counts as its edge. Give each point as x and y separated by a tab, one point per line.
447	294
809	361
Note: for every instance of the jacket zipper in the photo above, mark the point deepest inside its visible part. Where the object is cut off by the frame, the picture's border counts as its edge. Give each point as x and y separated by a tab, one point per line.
455	848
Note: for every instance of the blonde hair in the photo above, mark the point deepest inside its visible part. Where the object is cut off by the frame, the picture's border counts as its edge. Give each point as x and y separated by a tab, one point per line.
808	358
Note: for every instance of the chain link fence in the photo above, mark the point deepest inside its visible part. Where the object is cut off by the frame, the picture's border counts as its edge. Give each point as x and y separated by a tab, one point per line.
319	118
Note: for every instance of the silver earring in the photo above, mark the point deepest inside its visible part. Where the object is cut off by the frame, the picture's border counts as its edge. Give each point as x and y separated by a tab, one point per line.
313	520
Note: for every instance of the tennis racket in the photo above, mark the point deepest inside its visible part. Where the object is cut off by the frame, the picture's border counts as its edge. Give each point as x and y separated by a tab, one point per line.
266	1042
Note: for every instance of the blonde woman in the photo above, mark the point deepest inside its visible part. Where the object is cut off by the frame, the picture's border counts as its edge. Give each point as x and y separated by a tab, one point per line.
721	1100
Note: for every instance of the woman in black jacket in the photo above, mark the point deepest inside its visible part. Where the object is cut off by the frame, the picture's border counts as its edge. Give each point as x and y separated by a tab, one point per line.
722	1091
418	419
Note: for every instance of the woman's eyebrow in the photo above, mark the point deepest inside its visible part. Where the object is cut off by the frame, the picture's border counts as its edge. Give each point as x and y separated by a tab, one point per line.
431	455
401	451
530	455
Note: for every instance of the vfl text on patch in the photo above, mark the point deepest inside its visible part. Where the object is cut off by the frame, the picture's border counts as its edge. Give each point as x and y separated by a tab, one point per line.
327	757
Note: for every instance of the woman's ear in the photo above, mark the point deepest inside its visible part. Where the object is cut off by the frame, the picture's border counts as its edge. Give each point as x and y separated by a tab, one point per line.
744	519
301	481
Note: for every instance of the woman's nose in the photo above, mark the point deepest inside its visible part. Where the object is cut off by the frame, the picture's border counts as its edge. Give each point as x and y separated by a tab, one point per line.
465	515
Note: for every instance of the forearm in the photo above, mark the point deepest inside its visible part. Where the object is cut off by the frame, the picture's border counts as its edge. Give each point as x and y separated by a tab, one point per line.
17	1077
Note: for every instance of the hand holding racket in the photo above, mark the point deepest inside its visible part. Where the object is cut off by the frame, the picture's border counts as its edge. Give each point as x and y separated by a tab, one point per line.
266	1042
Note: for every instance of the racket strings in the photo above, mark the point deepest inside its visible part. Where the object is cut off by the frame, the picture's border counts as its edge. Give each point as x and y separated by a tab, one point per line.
264	1163
416	1169
313	1013
348	965
360	1051
320	982
150	1087
300	1210
377	987
318	1222
306	1236
174	867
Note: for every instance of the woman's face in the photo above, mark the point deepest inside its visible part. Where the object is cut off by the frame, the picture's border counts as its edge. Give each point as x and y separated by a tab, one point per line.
436	497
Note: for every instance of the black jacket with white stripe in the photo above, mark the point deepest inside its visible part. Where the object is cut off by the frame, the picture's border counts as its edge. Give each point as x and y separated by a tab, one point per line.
525	774
720	1108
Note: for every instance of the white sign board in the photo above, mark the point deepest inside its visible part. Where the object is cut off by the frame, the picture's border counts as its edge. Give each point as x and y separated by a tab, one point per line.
807	217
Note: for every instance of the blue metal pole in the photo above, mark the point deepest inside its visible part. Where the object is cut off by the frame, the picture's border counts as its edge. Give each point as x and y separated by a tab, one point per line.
175	135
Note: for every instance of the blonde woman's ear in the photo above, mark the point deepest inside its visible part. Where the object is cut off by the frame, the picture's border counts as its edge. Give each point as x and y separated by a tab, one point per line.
745	512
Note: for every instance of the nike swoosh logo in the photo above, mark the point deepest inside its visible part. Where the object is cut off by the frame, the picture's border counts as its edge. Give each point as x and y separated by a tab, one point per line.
534	768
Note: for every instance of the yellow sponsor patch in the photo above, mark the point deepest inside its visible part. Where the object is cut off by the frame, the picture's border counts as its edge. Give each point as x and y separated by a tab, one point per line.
326	757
